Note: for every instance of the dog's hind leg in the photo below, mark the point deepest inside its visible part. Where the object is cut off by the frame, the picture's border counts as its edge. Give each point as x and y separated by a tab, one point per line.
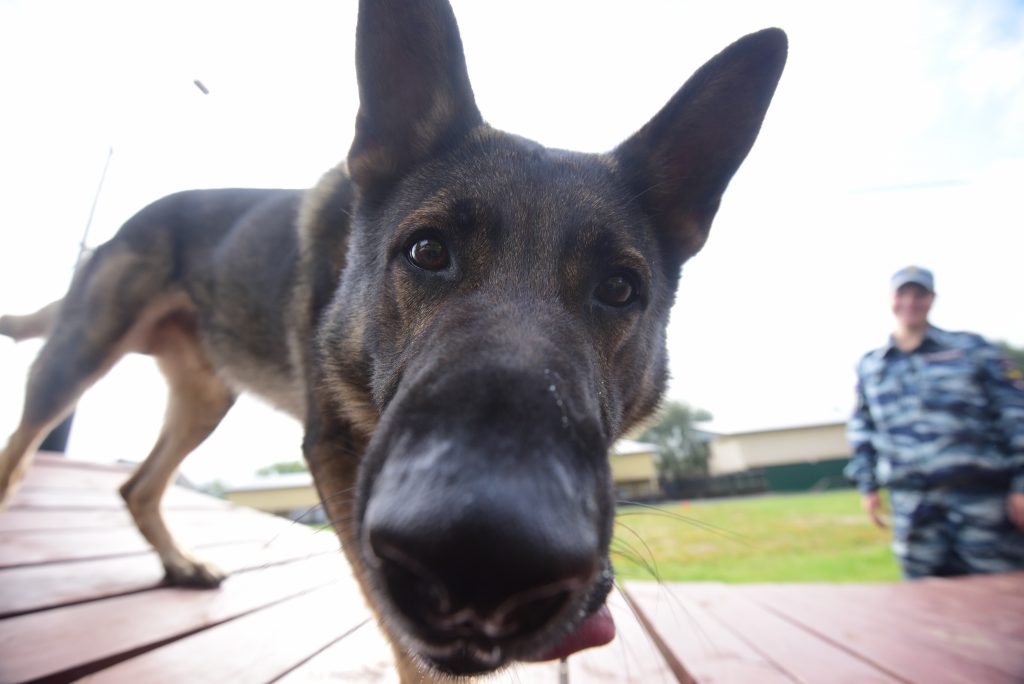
197	402
112	303
13	461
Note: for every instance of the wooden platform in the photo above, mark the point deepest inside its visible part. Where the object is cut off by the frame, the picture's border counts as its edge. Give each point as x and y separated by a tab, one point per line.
80	598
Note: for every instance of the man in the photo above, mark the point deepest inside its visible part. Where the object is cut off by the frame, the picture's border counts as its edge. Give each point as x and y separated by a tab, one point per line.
940	421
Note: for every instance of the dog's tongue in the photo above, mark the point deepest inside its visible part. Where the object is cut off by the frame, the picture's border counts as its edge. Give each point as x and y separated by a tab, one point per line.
596	630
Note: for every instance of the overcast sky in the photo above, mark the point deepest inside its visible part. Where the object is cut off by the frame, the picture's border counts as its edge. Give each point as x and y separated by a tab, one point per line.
896	137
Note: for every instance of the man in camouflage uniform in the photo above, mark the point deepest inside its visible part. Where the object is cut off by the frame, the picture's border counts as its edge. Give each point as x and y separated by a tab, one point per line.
940	421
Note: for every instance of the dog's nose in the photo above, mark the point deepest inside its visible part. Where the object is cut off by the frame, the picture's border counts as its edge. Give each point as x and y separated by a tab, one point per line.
485	567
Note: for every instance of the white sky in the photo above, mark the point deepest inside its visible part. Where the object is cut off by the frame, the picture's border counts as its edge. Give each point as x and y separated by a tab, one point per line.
896	137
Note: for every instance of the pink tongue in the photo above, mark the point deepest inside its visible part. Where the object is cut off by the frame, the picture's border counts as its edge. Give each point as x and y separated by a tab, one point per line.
596	630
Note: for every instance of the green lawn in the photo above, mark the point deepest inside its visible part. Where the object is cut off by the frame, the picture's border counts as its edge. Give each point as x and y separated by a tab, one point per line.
793	538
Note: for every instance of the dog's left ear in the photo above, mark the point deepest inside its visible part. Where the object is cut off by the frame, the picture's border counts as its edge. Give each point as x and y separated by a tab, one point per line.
414	91
681	161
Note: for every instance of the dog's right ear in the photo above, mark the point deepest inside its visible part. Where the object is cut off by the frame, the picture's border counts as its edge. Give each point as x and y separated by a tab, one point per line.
681	162
414	91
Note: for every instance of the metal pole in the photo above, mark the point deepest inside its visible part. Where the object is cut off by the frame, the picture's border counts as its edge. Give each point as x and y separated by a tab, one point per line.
92	211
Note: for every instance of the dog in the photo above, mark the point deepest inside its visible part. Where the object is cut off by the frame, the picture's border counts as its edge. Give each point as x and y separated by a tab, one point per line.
464	320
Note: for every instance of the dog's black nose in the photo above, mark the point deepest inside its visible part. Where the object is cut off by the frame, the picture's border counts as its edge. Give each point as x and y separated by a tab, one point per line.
485	565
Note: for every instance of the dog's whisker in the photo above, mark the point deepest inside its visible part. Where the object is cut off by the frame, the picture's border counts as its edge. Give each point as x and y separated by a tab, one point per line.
627	647
630	553
285	559
339	493
650	188
695	522
637	560
331	523
647	549
298	520
674	603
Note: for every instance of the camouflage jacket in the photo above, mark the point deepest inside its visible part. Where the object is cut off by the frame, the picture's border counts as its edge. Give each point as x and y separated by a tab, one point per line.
950	412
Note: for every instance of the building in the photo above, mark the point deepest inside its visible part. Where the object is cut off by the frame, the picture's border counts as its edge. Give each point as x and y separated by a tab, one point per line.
635	469
798	458
290	495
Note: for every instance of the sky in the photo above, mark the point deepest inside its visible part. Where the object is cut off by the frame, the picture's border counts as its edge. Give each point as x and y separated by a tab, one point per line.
896	137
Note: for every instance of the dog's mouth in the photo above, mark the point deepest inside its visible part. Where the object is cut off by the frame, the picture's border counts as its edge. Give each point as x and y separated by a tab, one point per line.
469	618
463	637
479	654
597	629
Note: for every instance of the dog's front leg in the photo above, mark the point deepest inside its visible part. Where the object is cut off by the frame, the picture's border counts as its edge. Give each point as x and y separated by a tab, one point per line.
197	402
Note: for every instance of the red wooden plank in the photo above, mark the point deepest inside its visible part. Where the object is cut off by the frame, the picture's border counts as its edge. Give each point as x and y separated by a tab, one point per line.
252	648
20	548
48	477
78	639
50	458
58	473
40	520
540	673
868	627
695	643
55	472
50	585
948	609
362	657
233	522
365	656
23	548
176	497
1005	587
633	657
946	616
44	520
804	655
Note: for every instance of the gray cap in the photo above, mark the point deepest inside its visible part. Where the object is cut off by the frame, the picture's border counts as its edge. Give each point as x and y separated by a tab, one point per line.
913	274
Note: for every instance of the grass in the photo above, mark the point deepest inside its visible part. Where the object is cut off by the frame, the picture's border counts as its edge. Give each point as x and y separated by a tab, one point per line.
822	537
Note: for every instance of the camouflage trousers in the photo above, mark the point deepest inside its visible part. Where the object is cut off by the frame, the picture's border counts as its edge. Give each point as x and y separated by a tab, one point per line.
941	532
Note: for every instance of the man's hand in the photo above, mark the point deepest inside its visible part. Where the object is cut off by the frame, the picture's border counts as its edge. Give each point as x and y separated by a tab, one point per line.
872	503
1015	509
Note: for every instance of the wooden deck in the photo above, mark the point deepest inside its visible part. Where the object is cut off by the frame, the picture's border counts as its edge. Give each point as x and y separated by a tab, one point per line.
80	598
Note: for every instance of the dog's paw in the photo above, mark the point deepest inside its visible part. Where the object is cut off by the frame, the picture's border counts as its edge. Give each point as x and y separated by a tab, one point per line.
188	572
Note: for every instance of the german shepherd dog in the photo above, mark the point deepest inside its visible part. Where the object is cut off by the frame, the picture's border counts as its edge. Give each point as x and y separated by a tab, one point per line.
464	320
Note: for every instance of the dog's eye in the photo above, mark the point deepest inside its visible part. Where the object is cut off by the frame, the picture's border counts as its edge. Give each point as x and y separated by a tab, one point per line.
617	290
428	253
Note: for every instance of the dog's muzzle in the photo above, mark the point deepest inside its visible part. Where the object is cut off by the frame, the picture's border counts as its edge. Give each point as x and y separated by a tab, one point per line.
481	564
484	517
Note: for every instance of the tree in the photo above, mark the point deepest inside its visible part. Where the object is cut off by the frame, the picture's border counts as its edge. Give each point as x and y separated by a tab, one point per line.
215	488
683	452
283	468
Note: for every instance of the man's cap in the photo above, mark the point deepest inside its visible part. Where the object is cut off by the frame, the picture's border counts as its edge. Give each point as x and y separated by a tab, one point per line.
913	274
